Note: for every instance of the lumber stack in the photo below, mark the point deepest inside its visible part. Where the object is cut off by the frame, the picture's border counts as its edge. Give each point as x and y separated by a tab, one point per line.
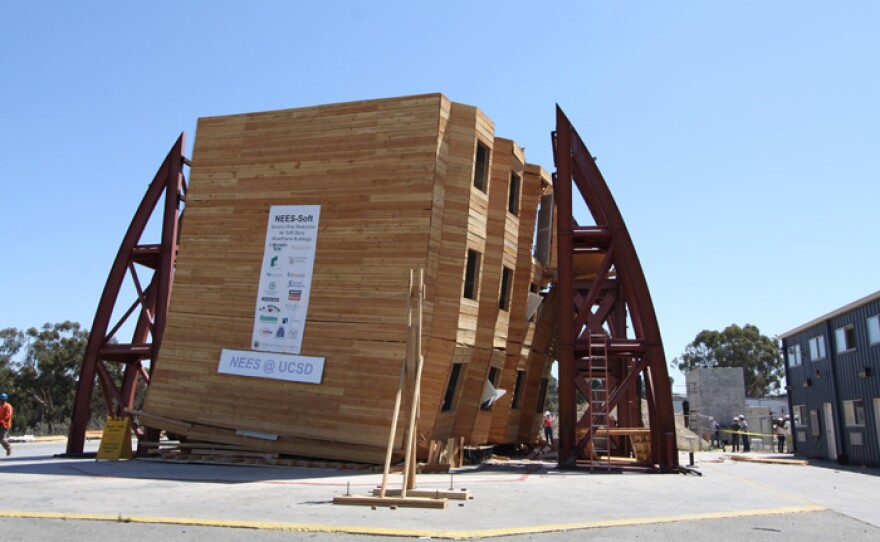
406	183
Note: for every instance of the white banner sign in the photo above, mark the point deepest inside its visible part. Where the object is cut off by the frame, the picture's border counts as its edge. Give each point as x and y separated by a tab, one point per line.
286	278
269	365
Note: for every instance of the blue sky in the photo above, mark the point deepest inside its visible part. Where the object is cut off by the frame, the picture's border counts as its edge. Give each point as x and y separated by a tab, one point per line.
740	139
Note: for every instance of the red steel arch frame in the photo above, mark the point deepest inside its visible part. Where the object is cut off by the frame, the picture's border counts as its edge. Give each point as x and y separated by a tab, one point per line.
593	339
152	300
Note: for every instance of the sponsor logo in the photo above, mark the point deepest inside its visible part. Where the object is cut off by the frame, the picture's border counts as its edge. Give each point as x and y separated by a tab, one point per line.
278	247
296	259
273	262
294	295
294	284
271	319
270	299
280	332
270	308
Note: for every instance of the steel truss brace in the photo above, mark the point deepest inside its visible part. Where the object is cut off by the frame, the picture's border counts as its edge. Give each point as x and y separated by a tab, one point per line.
150	305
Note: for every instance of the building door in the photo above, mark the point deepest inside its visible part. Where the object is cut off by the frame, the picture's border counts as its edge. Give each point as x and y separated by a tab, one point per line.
829	432
877	418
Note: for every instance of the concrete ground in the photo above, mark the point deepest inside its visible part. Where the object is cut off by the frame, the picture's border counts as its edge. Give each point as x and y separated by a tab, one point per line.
43	497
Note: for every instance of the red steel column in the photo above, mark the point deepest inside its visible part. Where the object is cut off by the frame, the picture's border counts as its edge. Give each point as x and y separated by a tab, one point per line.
565	334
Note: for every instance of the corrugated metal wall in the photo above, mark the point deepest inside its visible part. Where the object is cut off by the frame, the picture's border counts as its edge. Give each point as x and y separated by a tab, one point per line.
841	376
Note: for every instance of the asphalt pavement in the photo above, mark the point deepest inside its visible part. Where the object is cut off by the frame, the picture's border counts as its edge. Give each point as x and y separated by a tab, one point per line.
44	497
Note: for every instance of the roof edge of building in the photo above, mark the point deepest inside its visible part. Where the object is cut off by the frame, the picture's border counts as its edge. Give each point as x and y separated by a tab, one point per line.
837	312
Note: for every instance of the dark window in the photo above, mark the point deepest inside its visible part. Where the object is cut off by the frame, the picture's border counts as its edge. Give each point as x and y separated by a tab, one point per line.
493	380
517	389
449	398
504	298
542	395
472	274
513	195
481	167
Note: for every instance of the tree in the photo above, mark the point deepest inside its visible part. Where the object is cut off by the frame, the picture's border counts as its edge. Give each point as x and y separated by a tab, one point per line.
551	399
11	341
736	346
45	379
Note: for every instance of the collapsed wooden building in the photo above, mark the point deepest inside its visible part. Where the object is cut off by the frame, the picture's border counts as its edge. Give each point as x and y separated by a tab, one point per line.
289	315
408	183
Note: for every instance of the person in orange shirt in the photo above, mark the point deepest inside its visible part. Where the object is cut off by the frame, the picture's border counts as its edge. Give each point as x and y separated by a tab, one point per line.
5	422
547	423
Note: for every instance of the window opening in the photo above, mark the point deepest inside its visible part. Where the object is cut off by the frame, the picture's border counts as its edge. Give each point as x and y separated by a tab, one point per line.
492	380
481	167
517	389
795	356
513	194
817	348
845	337
874	329
471	273
504	298
854	412
449	397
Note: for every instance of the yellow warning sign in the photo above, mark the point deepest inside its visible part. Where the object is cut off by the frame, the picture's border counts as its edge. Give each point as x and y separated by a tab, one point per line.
116	442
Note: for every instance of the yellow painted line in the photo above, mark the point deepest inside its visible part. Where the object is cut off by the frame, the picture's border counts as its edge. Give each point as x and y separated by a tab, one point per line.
765	487
390	531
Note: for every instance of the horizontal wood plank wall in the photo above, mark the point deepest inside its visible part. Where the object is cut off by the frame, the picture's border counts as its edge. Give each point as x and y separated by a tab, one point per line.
492	321
438	351
486	228
506	420
371	166
454	317
394	179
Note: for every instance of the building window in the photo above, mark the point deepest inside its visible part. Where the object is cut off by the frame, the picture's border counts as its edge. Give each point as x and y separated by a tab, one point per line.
481	167
845	339
517	389
817	348
874	329
472	273
449	397
492	380
513	195
504	297
795	356
854	412
542	396
800	415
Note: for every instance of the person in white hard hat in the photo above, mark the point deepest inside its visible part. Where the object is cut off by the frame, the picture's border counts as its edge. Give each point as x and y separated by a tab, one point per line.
744	427
779	429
